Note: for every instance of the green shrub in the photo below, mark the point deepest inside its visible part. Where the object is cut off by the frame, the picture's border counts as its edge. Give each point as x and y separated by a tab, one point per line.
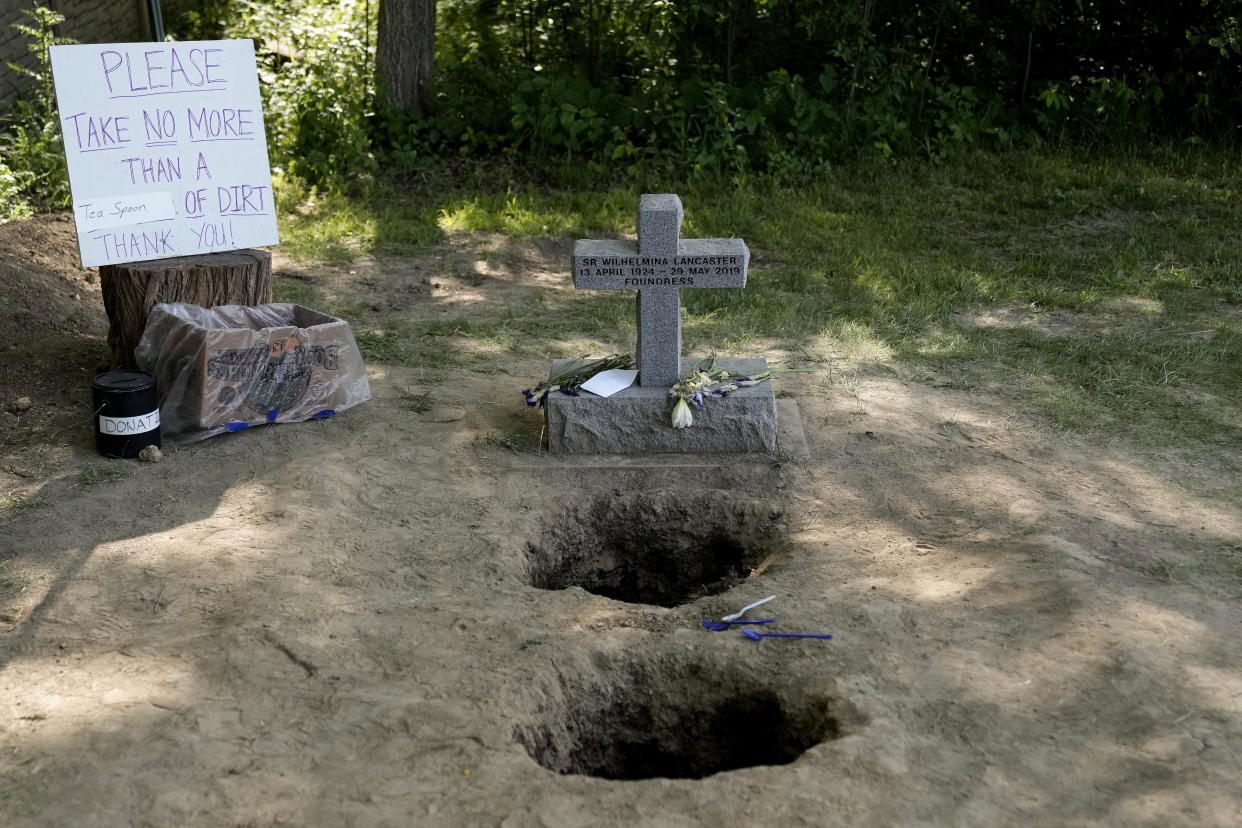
316	61
783	86
32	145
13	204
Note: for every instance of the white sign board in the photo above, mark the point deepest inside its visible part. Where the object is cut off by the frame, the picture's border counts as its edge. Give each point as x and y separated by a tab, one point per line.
165	148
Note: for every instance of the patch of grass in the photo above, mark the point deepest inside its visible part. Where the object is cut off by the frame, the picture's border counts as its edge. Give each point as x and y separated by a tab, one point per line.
418	402
1127	376
428	344
382	346
297	291
1125	267
17	504
301	291
512	441
783	461
18	437
539	212
109	473
12	581
336	227
1220	566
1165	571
1229	561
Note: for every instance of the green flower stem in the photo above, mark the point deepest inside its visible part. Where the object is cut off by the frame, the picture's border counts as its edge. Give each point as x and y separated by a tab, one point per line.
574	374
706	382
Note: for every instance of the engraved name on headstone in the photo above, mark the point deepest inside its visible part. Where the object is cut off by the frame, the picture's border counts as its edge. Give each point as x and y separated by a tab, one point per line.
658	267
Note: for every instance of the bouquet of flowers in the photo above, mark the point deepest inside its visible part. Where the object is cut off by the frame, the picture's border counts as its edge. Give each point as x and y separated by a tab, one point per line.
706	382
574	374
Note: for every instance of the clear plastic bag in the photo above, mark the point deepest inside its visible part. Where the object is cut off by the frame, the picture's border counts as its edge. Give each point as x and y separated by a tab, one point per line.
233	366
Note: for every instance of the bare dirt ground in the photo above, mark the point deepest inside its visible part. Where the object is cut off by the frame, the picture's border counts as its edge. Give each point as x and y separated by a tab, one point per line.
334	623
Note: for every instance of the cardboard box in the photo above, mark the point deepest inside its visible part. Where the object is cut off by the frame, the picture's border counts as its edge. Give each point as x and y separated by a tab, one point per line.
230	367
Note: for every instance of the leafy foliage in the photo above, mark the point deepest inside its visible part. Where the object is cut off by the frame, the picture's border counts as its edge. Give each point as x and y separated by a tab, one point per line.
790	85
12	204
316	63
787	86
32	146
783	86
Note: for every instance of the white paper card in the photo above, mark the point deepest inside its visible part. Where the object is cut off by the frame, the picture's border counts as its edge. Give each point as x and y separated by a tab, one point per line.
165	148
123	210
607	383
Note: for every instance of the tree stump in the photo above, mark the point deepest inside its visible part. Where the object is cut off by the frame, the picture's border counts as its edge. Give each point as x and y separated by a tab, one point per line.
130	290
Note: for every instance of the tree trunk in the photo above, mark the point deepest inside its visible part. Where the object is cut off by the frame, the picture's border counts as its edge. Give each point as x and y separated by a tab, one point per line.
868	10
405	48
1026	74
239	277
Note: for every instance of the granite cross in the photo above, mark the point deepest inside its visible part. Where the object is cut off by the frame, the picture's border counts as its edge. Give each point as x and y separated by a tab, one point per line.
658	267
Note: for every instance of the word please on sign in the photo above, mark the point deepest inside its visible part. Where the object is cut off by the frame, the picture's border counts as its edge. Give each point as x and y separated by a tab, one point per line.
166	67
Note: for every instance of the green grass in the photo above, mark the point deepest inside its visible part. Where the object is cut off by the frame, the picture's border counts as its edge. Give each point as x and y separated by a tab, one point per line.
1209	567
334	227
17	437
17	504
418	402
1121	275
11	580
514	442
429	344
104	473
382	346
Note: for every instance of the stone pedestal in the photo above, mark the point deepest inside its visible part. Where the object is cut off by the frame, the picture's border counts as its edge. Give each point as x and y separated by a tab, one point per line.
638	420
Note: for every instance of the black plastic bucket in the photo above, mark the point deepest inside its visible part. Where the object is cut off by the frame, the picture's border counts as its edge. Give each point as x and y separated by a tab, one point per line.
127	413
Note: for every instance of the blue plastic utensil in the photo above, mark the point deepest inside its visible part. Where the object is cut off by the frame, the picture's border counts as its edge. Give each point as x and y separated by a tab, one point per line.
718	626
757	636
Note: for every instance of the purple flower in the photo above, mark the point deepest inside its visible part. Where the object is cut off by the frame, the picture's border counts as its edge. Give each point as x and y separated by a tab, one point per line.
697	399
742	379
530	397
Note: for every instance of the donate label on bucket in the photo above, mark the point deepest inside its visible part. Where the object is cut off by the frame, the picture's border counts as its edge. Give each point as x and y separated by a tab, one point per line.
130	425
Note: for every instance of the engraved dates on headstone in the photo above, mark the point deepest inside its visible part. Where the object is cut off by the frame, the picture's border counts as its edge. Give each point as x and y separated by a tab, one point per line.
658	267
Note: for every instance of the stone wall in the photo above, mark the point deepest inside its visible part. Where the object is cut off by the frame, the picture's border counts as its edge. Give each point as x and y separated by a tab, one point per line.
87	21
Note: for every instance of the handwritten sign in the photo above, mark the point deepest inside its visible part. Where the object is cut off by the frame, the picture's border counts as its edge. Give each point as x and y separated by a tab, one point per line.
165	148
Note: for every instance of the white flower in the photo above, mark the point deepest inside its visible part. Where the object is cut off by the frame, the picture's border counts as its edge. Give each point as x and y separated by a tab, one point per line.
681	415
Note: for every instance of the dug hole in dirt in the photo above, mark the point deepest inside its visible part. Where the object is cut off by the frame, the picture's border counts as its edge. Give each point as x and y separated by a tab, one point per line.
387	618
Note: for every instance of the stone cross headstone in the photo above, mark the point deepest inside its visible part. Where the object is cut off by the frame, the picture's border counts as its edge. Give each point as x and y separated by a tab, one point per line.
658	267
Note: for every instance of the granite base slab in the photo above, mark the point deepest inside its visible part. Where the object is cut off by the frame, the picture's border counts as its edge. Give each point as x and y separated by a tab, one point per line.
638	420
